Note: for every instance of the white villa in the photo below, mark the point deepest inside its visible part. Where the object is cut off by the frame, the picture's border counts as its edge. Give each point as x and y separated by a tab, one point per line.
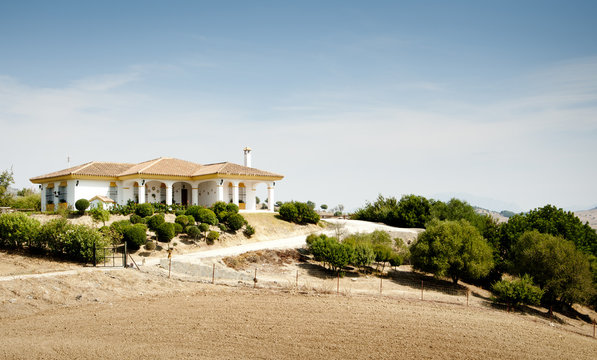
163	180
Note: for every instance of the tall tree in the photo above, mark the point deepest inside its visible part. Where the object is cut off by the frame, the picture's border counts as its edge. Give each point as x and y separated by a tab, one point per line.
6	179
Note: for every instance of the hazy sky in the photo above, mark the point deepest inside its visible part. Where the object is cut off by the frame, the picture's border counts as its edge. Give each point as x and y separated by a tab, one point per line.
495	102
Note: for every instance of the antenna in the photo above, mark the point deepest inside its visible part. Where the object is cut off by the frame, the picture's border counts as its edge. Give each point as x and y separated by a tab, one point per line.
68	159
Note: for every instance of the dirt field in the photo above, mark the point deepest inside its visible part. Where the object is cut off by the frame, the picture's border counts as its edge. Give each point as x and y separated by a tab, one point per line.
129	314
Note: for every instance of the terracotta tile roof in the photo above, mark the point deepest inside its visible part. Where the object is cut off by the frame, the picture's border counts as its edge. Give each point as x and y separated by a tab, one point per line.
160	166
102	199
93	168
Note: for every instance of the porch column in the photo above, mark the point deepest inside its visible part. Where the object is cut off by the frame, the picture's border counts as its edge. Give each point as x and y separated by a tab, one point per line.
141	194
250	201
195	194
168	192
43	197
270	196
220	187
235	192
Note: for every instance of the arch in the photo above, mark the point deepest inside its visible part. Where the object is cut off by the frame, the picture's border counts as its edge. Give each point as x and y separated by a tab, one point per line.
181	193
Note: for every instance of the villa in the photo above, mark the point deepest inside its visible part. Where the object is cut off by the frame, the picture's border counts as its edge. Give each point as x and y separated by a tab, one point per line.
163	180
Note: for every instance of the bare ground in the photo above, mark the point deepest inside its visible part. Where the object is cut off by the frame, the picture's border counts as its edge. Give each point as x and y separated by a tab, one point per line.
126	313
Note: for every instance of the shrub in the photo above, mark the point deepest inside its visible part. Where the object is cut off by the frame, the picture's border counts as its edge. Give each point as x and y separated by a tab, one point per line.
218	207
183	220
179	212
144	210
119	226
288	212
207	216
193	232
235	222
165	232
136	219
518	291
223	216
81	205
223	227
204	227
135	236
111	234
17	230
150	245
98	214
32	201
249	231
78	243
177	228
191	219
212	236
193	211
232	208
155	221
51	235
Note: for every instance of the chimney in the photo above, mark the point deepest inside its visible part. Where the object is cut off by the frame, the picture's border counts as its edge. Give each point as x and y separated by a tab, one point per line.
247	151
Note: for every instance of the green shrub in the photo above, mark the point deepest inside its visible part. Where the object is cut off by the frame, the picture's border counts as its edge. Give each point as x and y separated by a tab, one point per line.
144	210
150	245
81	205
31	201
165	232
232	208
155	221
179	212
517	291
177	228
223	227
111	234
249	231
136	219
193	211
218	207
212	236
135	236
288	212
98	214
18	230
207	216
204	227
78	243
235	222
223	216
193	232
183	220
120	225
51	235
191	219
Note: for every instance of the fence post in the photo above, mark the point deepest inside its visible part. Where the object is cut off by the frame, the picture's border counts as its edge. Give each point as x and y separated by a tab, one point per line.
338	285
124	256
213	274
255	279
593	328
94	254
421	289
467	293
380	285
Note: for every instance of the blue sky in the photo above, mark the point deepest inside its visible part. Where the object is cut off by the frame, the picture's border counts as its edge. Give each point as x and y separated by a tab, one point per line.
494	102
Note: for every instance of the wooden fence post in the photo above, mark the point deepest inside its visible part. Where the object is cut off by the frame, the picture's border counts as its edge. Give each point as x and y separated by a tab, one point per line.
380	285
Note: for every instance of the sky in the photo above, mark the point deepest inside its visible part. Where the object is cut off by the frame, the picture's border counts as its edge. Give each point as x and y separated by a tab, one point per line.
491	102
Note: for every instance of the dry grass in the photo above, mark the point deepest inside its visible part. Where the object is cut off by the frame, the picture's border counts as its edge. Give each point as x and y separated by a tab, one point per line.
265	257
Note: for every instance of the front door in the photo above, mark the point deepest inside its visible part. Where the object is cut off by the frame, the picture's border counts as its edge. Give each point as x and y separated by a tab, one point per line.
183	197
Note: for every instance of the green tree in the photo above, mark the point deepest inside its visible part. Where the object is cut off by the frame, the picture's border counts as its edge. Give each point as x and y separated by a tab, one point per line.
454	249
98	214
81	205
517	291
311	204
323	207
556	265
6	179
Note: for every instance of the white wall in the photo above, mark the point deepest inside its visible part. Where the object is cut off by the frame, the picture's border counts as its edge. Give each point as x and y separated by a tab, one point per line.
86	189
208	193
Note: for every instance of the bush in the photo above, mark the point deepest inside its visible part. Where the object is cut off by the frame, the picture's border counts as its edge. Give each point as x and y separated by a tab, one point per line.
235	222
119	226
81	205
518	291
212	236
183	220
136	219
135	236
193	211
177	228
249	231
204	227
193	232
51	235
155	221
144	210
298	212
223	227
179	212
98	214
17	230
165	232
150	245
78	242
218	207
32	201
232	208
207	216
288	212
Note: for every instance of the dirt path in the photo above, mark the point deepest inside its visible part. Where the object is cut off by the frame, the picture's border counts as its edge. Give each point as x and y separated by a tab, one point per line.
215	322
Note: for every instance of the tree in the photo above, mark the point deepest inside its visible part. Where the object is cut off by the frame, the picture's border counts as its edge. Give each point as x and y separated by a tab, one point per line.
517	291
454	249
257	200
311	204
323	207
556	265
81	205
6	179
98	214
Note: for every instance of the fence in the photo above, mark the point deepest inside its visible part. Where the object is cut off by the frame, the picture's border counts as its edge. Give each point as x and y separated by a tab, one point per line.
110	256
399	284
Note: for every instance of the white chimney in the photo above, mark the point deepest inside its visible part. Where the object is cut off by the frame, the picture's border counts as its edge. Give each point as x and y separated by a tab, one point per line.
247	151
